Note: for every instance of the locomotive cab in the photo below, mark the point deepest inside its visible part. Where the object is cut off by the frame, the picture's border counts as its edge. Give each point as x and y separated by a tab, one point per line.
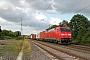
64	34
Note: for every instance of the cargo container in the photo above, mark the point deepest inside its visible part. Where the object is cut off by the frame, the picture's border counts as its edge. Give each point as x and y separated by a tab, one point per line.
42	35
38	36
33	36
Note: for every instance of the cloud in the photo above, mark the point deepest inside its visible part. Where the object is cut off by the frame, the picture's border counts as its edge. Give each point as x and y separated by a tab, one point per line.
38	4
29	16
40	17
8	25
52	11
38	21
5	22
9	12
2	21
31	12
71	6
55	21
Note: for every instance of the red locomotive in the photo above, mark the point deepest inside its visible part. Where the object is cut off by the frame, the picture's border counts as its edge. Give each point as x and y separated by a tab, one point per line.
58	34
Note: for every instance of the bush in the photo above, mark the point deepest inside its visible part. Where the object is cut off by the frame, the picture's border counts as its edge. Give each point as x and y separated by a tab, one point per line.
1	38
20	38
7	37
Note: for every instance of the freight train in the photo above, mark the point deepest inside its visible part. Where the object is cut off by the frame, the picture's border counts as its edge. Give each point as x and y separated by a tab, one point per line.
60	34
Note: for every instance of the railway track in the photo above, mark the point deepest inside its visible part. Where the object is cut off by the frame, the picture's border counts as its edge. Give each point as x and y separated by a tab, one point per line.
58	53
80	48
85	49
56	56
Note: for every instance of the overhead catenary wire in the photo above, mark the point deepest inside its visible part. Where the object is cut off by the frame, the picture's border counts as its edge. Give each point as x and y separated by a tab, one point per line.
69	8
82	8
79	10
42	4
50	5
52	1
72	6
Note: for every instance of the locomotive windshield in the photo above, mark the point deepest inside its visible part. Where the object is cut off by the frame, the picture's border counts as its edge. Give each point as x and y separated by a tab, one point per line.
65	29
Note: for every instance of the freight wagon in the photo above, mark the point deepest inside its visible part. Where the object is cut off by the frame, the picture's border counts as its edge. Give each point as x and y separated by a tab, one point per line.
33	36
38	36
41	35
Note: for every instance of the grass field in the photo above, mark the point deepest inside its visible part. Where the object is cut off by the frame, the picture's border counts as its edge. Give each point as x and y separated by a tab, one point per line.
11	48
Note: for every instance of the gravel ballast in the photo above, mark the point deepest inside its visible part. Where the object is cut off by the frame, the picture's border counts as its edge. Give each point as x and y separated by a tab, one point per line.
36	54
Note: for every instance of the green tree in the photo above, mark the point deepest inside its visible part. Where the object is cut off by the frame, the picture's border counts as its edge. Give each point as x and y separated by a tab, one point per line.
51	27
64	23
8	34
79	25
17	33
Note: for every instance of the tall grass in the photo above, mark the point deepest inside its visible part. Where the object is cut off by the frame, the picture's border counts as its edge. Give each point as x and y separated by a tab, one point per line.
27	47
14	47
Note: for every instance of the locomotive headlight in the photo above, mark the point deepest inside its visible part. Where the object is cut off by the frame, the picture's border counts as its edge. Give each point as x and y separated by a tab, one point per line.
62	34
69	34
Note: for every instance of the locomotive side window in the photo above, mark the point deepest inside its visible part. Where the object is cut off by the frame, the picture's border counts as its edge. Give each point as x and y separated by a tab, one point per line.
65	29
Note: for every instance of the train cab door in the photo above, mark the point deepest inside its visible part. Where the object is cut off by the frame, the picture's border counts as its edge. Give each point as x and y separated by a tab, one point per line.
57	35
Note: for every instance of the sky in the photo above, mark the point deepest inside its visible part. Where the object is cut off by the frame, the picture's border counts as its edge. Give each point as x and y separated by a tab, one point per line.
37	15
